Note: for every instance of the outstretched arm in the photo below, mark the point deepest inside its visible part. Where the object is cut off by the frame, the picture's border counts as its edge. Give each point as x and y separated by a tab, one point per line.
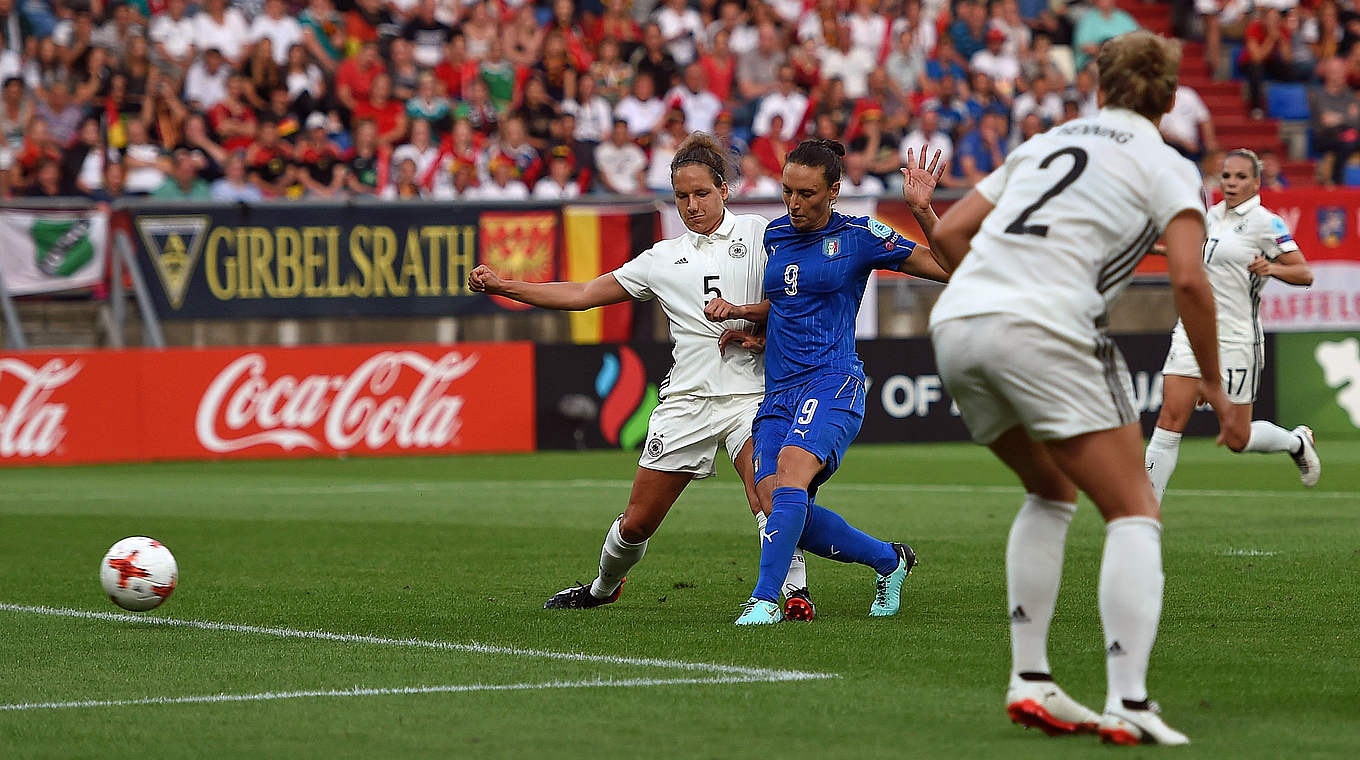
925	264
954	232
719	310
562	296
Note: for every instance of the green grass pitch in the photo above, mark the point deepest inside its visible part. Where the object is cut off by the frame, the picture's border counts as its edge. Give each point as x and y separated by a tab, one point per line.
1257	656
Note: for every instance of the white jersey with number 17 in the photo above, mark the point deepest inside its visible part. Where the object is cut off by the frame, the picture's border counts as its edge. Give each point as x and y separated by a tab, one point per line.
1076	208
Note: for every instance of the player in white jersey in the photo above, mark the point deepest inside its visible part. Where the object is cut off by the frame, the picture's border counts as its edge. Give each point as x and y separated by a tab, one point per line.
1040	249
1247	245
710	397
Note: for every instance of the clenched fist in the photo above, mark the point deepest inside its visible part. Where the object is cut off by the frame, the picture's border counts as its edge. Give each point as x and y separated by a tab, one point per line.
484	280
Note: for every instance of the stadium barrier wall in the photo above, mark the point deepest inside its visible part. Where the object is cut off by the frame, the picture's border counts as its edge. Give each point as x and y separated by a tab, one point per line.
1322	373
120	406
600	396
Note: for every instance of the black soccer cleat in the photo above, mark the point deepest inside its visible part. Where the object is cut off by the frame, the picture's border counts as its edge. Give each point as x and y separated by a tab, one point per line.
798	606
578	597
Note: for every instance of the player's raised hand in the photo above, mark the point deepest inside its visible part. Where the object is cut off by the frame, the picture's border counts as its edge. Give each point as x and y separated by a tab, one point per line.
483	280
918	180
741	338
719	310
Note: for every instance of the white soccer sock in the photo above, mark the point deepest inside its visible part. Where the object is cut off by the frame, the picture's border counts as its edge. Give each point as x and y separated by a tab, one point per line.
616	559
1160	459
1034	558
1268	437
797	576
1130	604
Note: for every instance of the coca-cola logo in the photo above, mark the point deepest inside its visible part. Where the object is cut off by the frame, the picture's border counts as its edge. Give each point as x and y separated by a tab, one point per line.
242	407
31	426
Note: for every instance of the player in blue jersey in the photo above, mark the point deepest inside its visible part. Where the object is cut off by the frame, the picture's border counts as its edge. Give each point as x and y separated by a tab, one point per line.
818	264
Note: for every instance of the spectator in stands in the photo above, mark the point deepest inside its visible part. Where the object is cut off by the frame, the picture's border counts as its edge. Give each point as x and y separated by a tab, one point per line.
82	163
480	29
523	38
946	61
1266	55
280	111
968	32
772	148
557	185
837	105
538	112
643	110
851	65
512	144
693	98
1007	19
367	165
428	105
143	160
983	149
727	137
1189	127
857	182
388	114
16	108
404	186
354	78
719	66
305	81
270	161
477	110
754	182
1026	128
323	33
877	146
173	35
869	29
1039	99
1098	24
993	60
205	85
759	71
421	149
61	113
1083	91
612	73
317	163
183	184
276	25
262	74
427	35
593	114
620	161
111	187
927	132
735	22
906	64
1335	121
122	26
46	181
787	102
654	60
682	29
403	70
233	186
1272	177
503	185
219	26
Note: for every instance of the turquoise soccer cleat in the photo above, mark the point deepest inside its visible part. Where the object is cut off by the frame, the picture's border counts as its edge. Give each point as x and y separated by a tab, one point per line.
759	612
888	588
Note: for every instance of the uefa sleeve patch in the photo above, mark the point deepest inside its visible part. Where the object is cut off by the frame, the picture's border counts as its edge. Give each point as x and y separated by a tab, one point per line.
879	229
1277	227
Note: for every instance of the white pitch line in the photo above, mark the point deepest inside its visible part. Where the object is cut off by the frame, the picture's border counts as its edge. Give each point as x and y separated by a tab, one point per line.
475	648
360	691
1249	553
604	484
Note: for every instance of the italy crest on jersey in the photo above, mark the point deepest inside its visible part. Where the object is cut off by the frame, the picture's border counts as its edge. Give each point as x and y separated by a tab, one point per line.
831	247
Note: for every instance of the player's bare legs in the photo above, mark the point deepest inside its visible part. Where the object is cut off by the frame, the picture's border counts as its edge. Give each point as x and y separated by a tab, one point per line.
1179	395
1106	466
1034	560
654	493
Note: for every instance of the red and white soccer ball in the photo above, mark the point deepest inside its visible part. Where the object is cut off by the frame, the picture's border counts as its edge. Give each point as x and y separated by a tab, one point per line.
139	573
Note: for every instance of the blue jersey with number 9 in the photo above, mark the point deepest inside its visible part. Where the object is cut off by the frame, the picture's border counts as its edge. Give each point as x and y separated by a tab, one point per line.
815	281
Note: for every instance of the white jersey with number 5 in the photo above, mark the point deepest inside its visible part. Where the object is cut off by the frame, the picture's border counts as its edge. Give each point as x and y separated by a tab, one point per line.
684	274
1077	207
1236	237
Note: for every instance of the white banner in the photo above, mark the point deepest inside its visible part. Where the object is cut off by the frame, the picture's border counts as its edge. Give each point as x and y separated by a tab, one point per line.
1331	303
52	251
866	322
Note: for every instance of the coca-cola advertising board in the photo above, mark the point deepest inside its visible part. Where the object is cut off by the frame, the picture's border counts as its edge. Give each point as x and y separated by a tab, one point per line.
108	406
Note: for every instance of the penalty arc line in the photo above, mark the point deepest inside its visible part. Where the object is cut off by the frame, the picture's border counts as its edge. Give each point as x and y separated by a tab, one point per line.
762	674
361	691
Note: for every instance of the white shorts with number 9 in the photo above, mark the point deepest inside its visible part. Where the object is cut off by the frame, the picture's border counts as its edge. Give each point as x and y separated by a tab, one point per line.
684	432
1240	363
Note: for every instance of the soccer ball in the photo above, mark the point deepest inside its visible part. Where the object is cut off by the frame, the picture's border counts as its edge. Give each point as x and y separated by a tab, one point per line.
138	573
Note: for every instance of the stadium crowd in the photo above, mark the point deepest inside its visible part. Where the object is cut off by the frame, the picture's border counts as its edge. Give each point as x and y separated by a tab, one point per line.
513	99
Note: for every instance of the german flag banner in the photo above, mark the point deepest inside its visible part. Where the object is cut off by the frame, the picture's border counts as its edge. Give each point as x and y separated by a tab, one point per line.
600	239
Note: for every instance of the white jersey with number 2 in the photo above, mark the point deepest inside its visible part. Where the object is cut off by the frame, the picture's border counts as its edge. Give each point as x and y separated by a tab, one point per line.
1077	207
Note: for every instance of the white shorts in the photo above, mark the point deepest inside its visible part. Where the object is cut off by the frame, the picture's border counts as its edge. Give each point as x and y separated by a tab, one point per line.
684	432
1240	363
1003	371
